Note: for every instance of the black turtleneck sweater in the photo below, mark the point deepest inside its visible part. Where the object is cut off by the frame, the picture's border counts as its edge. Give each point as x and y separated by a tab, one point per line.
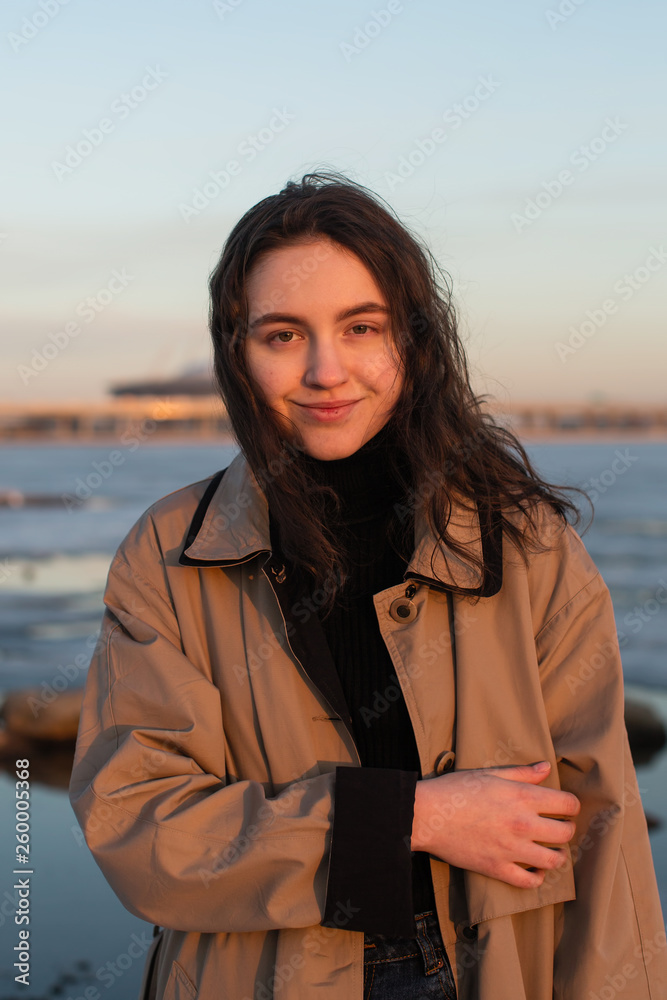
367	527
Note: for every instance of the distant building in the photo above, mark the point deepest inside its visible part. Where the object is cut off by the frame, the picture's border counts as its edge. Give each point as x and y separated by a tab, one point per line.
196	380
188	407
127	420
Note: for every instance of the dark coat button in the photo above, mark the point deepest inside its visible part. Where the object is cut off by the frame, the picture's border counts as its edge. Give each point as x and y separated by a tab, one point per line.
469	933
403	610
444	762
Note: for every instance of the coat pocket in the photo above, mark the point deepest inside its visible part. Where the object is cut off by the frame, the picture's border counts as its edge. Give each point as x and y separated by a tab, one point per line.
179	986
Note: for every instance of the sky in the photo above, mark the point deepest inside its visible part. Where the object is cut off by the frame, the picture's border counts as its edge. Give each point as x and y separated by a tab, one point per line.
525	142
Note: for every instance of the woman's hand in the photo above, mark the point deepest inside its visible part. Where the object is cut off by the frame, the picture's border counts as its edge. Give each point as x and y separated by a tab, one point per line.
494	820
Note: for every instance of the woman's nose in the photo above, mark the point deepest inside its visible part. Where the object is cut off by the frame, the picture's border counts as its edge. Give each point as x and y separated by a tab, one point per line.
326	365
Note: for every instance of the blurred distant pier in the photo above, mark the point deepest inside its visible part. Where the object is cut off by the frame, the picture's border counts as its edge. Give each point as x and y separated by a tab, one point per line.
203	417
124	419
544	419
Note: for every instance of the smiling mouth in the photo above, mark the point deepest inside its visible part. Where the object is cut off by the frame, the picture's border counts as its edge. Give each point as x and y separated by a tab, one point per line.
329	405
329	411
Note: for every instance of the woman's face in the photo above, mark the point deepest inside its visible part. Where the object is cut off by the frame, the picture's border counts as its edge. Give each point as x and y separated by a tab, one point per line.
320	347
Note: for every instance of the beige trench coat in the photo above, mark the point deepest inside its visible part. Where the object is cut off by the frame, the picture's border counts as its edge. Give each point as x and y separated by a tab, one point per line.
205	764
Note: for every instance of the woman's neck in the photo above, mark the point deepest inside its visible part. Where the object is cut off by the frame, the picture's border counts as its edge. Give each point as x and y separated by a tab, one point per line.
365	481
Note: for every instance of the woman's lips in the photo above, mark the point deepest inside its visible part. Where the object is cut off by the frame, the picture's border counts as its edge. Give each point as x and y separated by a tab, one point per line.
330	411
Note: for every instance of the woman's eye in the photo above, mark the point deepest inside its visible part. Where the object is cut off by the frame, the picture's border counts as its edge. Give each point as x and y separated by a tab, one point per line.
363	327
284	336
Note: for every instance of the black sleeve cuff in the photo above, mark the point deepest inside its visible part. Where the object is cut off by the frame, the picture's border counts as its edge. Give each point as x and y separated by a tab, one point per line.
369	884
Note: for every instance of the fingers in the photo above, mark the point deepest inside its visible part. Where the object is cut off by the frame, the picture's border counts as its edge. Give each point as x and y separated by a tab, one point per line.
522	878
531	873
554	831
529	876
497	822
531	773
553	801
559	803
545	858
525	878
526	826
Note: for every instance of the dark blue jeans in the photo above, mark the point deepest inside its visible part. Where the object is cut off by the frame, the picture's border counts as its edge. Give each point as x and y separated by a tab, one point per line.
408	968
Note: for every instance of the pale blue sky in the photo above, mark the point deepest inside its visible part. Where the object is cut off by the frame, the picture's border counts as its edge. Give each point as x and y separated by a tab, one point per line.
219	71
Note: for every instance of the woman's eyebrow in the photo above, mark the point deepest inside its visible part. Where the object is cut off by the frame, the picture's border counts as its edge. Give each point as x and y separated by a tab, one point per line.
276	317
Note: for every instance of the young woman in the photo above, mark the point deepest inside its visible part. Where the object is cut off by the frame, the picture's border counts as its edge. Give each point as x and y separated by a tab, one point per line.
354	726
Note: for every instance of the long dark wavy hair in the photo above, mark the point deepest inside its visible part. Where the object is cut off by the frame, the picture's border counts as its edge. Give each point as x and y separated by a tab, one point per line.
445	444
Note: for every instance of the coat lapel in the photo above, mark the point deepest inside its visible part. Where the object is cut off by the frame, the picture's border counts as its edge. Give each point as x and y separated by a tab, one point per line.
232	524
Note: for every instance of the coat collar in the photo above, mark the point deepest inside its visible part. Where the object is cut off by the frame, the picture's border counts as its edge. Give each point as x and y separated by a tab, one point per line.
231	525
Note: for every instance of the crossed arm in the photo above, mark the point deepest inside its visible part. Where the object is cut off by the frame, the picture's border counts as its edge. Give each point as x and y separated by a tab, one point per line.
498	821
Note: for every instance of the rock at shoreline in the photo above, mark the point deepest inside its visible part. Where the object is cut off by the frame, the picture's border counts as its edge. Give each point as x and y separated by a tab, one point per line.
646	730
29	722
27	716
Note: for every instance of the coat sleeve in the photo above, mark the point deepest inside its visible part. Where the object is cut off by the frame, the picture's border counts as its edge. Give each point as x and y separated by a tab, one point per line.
182	842
371	835
613	930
